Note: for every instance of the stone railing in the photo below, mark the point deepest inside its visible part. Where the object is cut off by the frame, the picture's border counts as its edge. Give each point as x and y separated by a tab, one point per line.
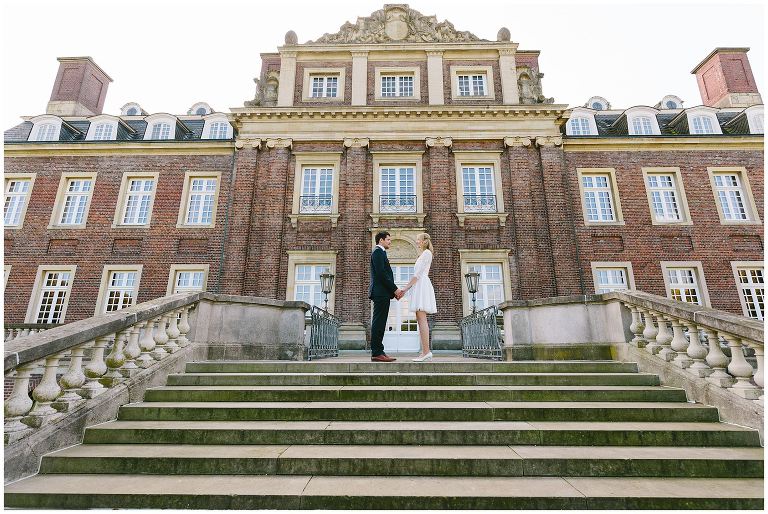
16	330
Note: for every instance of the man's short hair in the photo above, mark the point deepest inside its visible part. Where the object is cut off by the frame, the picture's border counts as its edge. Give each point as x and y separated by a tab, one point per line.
381	235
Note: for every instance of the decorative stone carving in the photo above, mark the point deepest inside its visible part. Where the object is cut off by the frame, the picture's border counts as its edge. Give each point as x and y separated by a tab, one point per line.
266	90
356	142
517	141
529	86
397	23
279	143
402	249
547	141
504	34
247	142
439	141
291	38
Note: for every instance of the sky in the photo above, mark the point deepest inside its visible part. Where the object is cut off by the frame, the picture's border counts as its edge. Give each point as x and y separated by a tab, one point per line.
169	54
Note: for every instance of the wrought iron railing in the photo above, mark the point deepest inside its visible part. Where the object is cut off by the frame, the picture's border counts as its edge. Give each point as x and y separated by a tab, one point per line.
397	203
324	334
480	335
315	204
479	203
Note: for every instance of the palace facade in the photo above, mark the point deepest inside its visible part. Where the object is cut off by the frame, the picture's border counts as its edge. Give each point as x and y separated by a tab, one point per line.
396	122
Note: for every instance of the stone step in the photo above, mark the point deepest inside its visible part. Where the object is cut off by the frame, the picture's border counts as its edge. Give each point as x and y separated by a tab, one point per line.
334	492
411	379
418	411
423	433
414	394
488	461
404	366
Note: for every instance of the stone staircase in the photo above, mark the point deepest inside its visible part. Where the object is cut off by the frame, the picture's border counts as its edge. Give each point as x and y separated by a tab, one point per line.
448	434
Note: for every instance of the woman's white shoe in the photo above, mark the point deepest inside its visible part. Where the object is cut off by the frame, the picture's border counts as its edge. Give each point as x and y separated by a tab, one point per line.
422	358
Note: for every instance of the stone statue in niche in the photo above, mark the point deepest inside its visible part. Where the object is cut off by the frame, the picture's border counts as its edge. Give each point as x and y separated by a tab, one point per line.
529	86
266	90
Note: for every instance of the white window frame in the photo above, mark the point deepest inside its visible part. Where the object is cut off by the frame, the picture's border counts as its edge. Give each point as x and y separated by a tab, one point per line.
200	105
131	105
485	257
486	71
36	297
705	113
642	112
104	288
209	125
156	119
319	188
311	73
753	217
58	208
413	72
328	160
613	190
11	177
682	201
315	258
98	121
742	265
40	124
186	197
700	281
754	117
125	193
626	266
397	160
582	113
181	268
479	158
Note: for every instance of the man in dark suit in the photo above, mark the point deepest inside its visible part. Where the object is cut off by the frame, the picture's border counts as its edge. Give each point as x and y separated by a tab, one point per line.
381	290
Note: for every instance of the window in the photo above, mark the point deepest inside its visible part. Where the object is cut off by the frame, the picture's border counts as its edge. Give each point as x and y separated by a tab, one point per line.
757	124
138	201
217	127
119	287
490	289
219	130
597	195
702	125
102	128
73	199
641	121
397	191
161	131
612	276
50	294
579	127
316	190
685	282
598	103
323	84
200	109
750	282
325	87
18	188
666	196
401	83
494	285
46	132
478	184
131	109
755	119
733	196
200	200
103	132
472	82
187	278
393	85
304	270
641	125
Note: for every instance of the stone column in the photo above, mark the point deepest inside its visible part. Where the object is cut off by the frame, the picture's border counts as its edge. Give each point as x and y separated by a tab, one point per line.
435	77
508	70
359	78
287	78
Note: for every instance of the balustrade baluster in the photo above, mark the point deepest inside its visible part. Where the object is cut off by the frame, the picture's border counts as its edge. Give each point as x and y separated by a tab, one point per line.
95	369
679	344
741	370
173	332
664	339
131	351
697	352
161	338
650	333
115	360
18	404
184	327
717	360
636	327
146	344
759	377
71	381
45	394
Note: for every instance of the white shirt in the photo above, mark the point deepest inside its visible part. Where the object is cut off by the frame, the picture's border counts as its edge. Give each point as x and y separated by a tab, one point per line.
385	250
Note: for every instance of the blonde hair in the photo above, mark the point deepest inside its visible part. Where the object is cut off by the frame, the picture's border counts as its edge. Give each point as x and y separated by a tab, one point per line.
425	237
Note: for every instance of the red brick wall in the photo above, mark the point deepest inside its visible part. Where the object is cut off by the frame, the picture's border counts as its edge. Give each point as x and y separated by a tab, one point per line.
725	73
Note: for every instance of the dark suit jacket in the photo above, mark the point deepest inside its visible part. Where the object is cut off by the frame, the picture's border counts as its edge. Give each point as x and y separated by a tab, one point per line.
382	282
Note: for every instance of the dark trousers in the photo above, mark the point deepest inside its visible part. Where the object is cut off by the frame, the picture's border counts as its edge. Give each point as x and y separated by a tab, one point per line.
379	324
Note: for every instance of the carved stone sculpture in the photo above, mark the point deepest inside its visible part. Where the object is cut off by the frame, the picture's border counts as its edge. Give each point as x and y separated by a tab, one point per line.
266	90
504	34
529	86
291	38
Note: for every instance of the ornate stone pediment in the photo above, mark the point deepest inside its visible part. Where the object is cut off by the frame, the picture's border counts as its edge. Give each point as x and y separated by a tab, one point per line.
397	23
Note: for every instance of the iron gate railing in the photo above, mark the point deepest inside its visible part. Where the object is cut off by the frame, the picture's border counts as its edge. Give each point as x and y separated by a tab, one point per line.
480	335
324	334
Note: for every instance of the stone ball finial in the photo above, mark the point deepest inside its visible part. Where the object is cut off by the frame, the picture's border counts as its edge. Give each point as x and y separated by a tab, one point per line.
504	34
291	38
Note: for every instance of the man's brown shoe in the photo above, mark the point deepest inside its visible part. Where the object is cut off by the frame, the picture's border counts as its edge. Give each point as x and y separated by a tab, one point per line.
382	358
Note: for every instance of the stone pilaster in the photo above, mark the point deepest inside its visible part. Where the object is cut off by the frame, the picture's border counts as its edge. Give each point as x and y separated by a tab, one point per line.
435	77
359	78
508	69
287	78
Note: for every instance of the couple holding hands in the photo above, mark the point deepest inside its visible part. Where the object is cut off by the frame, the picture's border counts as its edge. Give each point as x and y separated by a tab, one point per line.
418	291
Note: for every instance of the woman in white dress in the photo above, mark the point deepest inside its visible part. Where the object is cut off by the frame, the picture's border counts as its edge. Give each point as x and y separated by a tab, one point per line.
420	293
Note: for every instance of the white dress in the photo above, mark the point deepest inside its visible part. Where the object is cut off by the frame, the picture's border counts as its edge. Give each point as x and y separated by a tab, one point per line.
421	296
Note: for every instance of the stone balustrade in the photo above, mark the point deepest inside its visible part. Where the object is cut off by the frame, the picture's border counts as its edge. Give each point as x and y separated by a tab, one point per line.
16	330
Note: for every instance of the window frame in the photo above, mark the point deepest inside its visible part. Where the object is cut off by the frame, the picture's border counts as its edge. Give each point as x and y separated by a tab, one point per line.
175	268
625	265
412	71
700	279
216	118
37	124
309	73
753	215
58	206
315	159
315	258
735	267
614	191
479	158
679	189
490	84
484	257
181	221
638	112
96	121
155	119
106	273
752	112
122	197
705	112
35	298
19	176
397	159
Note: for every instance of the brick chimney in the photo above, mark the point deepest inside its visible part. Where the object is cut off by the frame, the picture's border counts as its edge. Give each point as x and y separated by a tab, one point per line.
725	79
80	88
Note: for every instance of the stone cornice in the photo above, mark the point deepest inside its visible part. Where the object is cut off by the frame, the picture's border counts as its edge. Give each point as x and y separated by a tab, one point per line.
99	148
663	143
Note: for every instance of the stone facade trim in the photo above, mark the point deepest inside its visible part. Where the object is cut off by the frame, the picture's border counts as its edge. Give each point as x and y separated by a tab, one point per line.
517	141
439	141
356	142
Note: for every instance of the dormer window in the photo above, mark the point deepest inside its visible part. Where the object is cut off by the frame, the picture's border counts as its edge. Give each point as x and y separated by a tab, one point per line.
46	131
102	128
670	102
160	127
200	109
581	123
579	126
755	119
598	103
217	127
131	109
161	131
103	131
703	120
642	125
46	128
641	121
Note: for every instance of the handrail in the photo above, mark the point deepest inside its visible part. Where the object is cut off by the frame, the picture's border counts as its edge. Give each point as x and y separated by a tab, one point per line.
324	334
480	335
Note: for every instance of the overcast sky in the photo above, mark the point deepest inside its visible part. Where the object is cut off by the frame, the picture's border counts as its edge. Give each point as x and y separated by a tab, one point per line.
168	54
